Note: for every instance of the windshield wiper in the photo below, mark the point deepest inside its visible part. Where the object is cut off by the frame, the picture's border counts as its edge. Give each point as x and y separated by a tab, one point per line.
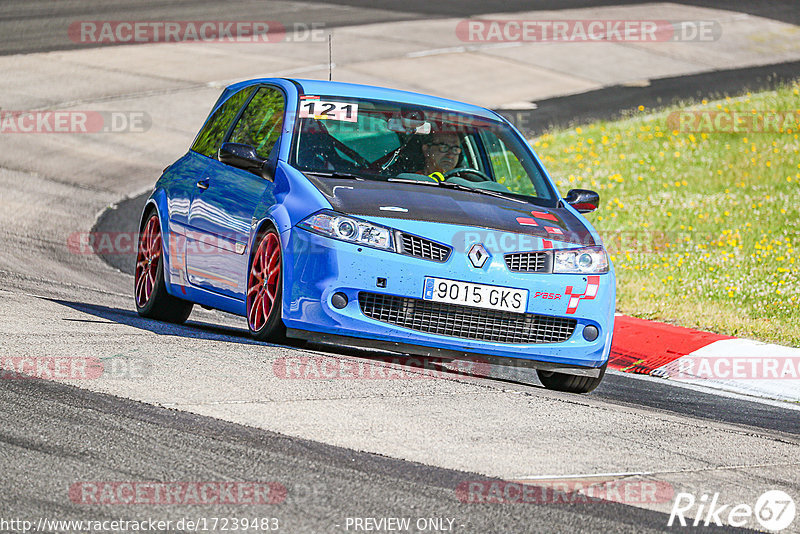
489	192
460	187
336	174
407	181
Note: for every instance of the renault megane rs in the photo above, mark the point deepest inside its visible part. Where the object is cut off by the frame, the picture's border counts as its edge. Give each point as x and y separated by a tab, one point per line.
337	212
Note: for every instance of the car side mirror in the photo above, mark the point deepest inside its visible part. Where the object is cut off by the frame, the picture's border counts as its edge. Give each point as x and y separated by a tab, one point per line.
267	170
583	200
241	156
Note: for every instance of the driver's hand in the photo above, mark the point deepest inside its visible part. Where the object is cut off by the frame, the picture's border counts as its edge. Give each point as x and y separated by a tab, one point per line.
439	177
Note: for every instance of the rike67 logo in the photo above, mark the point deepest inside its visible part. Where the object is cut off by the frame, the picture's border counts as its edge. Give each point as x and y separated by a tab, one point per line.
774	510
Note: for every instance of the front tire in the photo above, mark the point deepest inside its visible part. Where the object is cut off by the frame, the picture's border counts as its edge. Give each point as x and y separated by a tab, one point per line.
150	291
265	290
570	383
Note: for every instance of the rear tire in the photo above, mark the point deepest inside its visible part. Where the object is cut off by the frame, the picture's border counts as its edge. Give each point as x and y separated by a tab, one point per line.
570	383
149	290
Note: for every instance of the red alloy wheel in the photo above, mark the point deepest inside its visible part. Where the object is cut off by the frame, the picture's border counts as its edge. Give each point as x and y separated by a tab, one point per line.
147	261
262	285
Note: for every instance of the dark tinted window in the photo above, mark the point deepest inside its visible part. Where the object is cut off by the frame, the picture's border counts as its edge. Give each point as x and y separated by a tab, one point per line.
261	122
380	140
210	137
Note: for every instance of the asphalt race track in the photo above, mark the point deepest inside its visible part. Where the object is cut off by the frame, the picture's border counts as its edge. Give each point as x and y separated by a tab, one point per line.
40	20
200	402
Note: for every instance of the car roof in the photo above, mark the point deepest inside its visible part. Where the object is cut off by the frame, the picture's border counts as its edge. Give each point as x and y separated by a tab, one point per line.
324	87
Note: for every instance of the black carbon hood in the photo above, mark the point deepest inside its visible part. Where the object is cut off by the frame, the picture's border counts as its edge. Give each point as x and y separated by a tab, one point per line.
441	205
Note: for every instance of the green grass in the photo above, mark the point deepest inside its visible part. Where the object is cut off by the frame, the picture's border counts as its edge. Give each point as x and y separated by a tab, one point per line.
703	228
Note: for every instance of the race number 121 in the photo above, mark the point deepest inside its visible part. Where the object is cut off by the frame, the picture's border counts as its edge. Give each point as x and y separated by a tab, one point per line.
321	110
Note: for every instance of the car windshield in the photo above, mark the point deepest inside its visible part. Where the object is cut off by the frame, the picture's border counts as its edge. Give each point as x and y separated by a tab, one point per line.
364	139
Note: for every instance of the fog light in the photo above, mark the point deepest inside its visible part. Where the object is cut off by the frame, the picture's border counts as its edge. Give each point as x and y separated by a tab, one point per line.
590	333
339	301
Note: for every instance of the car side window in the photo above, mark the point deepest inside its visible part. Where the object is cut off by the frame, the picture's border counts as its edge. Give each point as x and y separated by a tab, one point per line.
508	170
261	121
210	137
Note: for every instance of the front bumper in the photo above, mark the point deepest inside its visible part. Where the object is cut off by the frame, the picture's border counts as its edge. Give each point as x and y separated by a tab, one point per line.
316	267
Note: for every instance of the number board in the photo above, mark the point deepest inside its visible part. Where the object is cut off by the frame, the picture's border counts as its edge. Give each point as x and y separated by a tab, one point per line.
311	108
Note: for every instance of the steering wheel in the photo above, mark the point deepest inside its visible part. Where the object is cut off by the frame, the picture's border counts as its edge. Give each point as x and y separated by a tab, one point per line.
481	176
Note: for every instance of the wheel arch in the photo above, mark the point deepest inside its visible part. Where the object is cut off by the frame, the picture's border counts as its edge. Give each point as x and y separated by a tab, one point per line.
149	207
157	203
263	226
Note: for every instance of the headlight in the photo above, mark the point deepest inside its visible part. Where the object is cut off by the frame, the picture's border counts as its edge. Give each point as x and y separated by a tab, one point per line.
349	229
590	260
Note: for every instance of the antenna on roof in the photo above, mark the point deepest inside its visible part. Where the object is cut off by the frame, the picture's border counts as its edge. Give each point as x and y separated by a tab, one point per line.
330	58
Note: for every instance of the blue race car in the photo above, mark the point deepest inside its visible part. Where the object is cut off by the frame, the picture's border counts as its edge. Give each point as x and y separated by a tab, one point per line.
374	217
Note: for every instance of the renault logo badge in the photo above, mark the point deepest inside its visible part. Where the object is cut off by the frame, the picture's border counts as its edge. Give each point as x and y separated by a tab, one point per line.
478	256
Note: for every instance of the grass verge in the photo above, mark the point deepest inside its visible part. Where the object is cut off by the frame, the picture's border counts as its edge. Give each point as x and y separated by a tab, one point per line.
701	217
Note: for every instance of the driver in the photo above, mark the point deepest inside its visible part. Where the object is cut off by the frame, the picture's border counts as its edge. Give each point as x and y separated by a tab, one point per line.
442	151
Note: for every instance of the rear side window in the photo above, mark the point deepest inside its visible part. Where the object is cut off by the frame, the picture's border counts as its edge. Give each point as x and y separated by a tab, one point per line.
210	137
261	122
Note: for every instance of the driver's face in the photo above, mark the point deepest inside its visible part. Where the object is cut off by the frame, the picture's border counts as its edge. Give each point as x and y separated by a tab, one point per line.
435	159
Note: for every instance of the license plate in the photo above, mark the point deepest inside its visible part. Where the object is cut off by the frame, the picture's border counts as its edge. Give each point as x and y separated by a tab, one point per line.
478	295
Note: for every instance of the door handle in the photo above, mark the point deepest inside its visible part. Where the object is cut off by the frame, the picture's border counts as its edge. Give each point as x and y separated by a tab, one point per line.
203	184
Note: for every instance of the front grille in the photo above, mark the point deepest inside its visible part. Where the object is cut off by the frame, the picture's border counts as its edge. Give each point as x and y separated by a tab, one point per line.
527	262
464	321
419	247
